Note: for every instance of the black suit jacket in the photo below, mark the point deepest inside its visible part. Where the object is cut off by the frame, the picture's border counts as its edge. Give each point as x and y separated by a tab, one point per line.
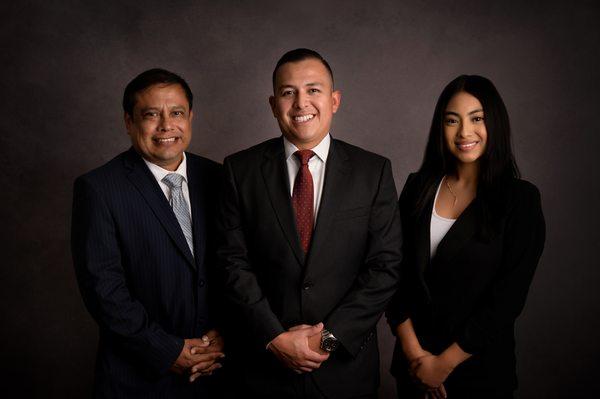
346	279
474	288
137	275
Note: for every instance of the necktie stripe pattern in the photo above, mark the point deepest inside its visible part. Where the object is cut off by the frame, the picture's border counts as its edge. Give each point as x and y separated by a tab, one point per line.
180	206
302	199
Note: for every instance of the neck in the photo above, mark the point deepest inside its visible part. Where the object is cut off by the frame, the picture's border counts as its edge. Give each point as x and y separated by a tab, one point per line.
467	174
305	145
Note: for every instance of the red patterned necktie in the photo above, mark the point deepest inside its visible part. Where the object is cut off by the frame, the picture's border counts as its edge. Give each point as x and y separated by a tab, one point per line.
302	199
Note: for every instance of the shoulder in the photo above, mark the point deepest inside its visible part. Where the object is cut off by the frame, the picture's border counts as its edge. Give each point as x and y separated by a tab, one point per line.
416	183
107	173
207	166
519	193
255	153
357	154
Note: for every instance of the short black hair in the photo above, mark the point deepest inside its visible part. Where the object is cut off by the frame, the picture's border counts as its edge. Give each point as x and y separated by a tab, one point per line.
152	77
301	54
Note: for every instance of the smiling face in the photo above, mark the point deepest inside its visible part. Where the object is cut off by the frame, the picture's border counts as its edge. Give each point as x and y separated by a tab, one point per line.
161	125
304	102
464	128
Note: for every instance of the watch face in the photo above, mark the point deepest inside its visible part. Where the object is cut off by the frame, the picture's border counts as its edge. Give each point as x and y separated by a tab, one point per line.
329	344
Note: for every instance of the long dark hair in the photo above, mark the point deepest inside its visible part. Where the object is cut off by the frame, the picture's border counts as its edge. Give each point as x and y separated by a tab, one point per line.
497	163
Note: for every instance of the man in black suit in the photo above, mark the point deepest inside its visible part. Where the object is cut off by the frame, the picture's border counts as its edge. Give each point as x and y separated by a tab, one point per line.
310	247
141	243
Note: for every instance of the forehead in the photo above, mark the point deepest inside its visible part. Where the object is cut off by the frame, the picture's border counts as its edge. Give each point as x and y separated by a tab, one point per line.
161	94
463	101
302	72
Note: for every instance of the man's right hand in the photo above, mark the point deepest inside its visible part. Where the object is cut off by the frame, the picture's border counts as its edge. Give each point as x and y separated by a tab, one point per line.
187	359
291	348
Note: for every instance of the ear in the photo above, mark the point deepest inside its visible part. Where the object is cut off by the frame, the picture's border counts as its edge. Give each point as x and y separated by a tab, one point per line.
191	115
128	122
273	105
336	97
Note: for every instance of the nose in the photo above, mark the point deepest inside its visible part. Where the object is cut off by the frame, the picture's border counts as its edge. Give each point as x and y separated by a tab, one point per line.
301	100
165	123
464	129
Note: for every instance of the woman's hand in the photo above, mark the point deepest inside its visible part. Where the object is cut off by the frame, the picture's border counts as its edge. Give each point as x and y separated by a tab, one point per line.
430	371
429	393
439	393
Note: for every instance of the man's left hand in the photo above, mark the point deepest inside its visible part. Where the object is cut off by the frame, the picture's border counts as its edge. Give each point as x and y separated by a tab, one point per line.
215	343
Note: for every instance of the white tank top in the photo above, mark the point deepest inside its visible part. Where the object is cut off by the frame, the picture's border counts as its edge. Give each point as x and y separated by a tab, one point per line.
438	228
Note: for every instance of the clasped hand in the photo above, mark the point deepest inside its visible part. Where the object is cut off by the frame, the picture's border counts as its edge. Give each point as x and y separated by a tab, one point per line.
199	355
430	371
299	348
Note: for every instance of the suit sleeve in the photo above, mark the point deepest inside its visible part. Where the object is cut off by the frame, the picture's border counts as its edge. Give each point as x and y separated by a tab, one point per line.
524	237
103	284
242	287
354	319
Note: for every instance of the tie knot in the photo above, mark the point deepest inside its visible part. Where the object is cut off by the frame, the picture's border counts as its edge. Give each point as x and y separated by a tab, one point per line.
304	155
173	180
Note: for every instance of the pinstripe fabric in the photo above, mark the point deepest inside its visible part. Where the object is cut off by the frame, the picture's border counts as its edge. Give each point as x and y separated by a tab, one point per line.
180	206
137	276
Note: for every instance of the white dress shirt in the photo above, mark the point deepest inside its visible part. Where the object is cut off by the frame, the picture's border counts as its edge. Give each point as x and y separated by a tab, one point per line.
316	166
159	173
438	228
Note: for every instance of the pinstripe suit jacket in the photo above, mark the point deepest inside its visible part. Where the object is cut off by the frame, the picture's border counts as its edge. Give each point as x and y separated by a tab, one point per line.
137	275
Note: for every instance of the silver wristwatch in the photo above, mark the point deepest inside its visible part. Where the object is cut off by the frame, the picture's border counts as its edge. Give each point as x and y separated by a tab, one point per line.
329	342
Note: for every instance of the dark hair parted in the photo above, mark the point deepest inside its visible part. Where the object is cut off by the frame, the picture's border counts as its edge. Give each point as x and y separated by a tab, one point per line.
496	164
301	54
149	78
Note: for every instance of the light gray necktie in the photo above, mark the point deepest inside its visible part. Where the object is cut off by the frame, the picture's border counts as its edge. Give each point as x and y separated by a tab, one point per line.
180	206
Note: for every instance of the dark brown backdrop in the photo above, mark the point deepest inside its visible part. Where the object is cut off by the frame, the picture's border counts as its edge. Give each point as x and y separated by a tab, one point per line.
64	67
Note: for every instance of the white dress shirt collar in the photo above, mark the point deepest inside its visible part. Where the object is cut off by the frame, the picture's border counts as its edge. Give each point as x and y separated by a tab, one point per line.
159	173
321	150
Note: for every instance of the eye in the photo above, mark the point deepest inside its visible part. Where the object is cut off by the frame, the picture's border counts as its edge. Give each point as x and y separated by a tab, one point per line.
287	93
313	90
178	113
450	121
150	114
477	119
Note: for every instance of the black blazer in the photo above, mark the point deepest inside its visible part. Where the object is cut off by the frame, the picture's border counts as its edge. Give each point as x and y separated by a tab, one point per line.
137	275
472	291
346	280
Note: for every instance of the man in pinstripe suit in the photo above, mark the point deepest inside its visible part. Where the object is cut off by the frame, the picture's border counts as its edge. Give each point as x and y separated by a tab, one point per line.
141	243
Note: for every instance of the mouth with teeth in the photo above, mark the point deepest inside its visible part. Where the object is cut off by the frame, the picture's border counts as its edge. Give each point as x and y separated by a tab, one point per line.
303	118
165	140
467	145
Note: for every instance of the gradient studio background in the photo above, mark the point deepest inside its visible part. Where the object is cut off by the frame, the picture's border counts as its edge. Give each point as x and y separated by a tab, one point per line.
65	64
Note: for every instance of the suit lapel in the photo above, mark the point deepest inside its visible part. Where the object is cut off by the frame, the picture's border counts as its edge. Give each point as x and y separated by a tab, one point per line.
337	169
459	234
197	205
141	177
274	171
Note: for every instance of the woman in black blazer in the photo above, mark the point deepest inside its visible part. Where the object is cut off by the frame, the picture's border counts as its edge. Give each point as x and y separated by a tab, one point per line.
473	234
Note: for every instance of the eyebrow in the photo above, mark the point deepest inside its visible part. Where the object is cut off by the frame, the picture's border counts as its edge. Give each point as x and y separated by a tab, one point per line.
284	86
148	109
158	108
470	113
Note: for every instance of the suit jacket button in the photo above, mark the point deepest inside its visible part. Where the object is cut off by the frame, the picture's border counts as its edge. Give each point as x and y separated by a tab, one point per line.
201	283
307	285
